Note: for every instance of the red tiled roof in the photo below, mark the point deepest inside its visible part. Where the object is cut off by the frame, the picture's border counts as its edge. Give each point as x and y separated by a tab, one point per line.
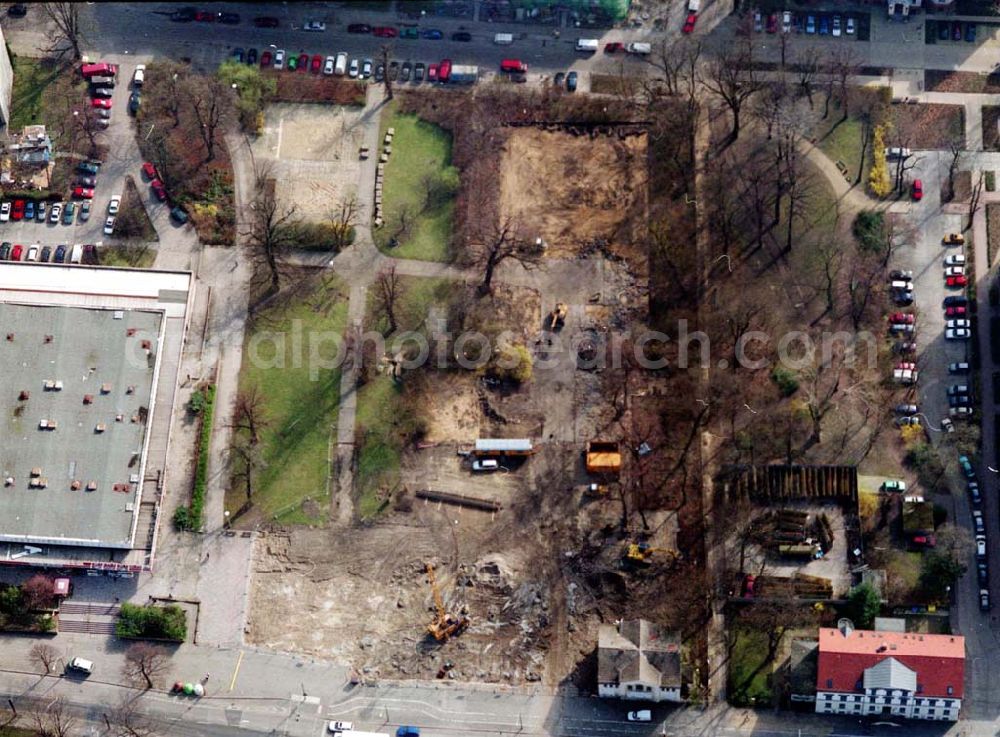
939	660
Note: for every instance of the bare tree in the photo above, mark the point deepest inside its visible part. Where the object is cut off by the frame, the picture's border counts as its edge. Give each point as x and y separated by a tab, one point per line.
955	148
55	720
37	592
977	192
213	104
388	291
66	36
844	65
732	78
404	222
271	230
145	664
250	412
125	720
44	655
806	67
503	243
246	462
384	52
343	218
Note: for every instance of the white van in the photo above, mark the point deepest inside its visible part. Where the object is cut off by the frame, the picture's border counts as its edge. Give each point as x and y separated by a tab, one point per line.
694	6
80	665
76	254
589	45
486	465
503	39
340	66
642	49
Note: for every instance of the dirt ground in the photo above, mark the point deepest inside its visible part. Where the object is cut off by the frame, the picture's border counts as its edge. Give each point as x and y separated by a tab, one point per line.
577	192
313	151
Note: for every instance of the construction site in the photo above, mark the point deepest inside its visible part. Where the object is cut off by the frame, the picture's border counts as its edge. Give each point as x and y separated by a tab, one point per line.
530	514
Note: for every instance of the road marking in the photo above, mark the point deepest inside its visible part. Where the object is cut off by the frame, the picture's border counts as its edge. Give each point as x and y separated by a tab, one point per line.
236	671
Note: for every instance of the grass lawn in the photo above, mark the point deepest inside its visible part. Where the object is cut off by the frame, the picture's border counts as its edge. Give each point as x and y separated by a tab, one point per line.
419	150
31	78
379	450
137	256
749	659
300	408
843	143
417	297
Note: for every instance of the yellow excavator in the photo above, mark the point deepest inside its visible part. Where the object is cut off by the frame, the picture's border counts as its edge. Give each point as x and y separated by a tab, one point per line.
640	554
444	625
558	317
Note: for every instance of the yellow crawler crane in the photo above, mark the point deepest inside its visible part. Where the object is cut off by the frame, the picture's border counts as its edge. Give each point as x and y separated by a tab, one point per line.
444	625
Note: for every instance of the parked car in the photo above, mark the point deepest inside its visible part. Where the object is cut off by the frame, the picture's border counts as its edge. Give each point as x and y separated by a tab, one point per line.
359	28
786	22
410	33
824	25
29	210
46	254
404	73
385	32
55	212
407	732
266	22
811	24
836	26
41	212
917	190
100	102
960	367
943	30
981	547
5	251
265	59
461	36
954	312
897	152
279	59
956	300
328	65
850	26
159	190
432	34
379	72
418	71
894	485
354	69
689	23
966	466
114	204
956	31
956	282
614	47
5	211
109	226
17	252
393	70
303	64
643	715
179	214
758	22
317	64
908	421
902	329
974	492
970	32
69	213
339	726
81	666
953	239
902	347
83	193
984	600
772	23
960	412
32	254
84	215
149	171
982	574
956	389
901	275
252	56
134	101
60	255
907	318
958	323
571	82
907	409
230	19
958	334
955	259
314	25
139	76
432	72
366	69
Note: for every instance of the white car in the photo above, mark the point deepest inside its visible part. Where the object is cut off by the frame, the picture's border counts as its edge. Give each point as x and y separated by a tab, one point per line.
957	334
645	715
980	546
109	226
954	271
140	75
279	59
850	26
959	367
960	412
55	212
5	212
116	202
786	22
335	727
836	26
328	65
366	69
314	25
81	665
895	152
956	259
32	254
352	71
957	324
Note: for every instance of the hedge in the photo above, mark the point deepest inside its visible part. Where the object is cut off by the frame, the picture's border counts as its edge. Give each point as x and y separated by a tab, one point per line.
190	517
152	623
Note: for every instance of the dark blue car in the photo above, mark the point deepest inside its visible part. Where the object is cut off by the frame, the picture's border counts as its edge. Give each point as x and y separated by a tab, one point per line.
433	33
970	32
238	54
252	56
60	255
824	25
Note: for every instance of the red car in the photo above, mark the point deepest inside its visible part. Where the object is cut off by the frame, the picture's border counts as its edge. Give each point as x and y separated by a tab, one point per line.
101	102
15	255
432	72
149	170
906	366
772	23
317	63
385	31
901	318
18	212
159	190
614	47
955	311
265	60
917	190
689	23
204	16
956	281
83	193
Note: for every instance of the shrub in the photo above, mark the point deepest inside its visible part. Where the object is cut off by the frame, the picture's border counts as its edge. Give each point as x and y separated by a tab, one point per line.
152	622
879	181
923	459
870	231
190	518
786	381
990	181
863	606
513	363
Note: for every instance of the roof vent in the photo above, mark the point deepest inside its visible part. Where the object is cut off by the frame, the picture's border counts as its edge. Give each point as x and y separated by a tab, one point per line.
845	626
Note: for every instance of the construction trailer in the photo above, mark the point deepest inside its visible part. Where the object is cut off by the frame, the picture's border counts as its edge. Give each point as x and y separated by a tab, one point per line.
507	447
603	457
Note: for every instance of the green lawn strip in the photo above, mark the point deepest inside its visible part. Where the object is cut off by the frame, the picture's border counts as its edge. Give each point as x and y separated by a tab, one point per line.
379	445
31	78
749	670
843	144
418	296
191	516
126	256
300	402
419	149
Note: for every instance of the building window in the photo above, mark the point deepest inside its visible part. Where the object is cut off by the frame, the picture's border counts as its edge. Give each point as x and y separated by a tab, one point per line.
829	683
950	690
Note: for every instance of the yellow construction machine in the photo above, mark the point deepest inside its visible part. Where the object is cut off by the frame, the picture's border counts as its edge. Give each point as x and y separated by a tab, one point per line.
558	317
640	554
444	625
